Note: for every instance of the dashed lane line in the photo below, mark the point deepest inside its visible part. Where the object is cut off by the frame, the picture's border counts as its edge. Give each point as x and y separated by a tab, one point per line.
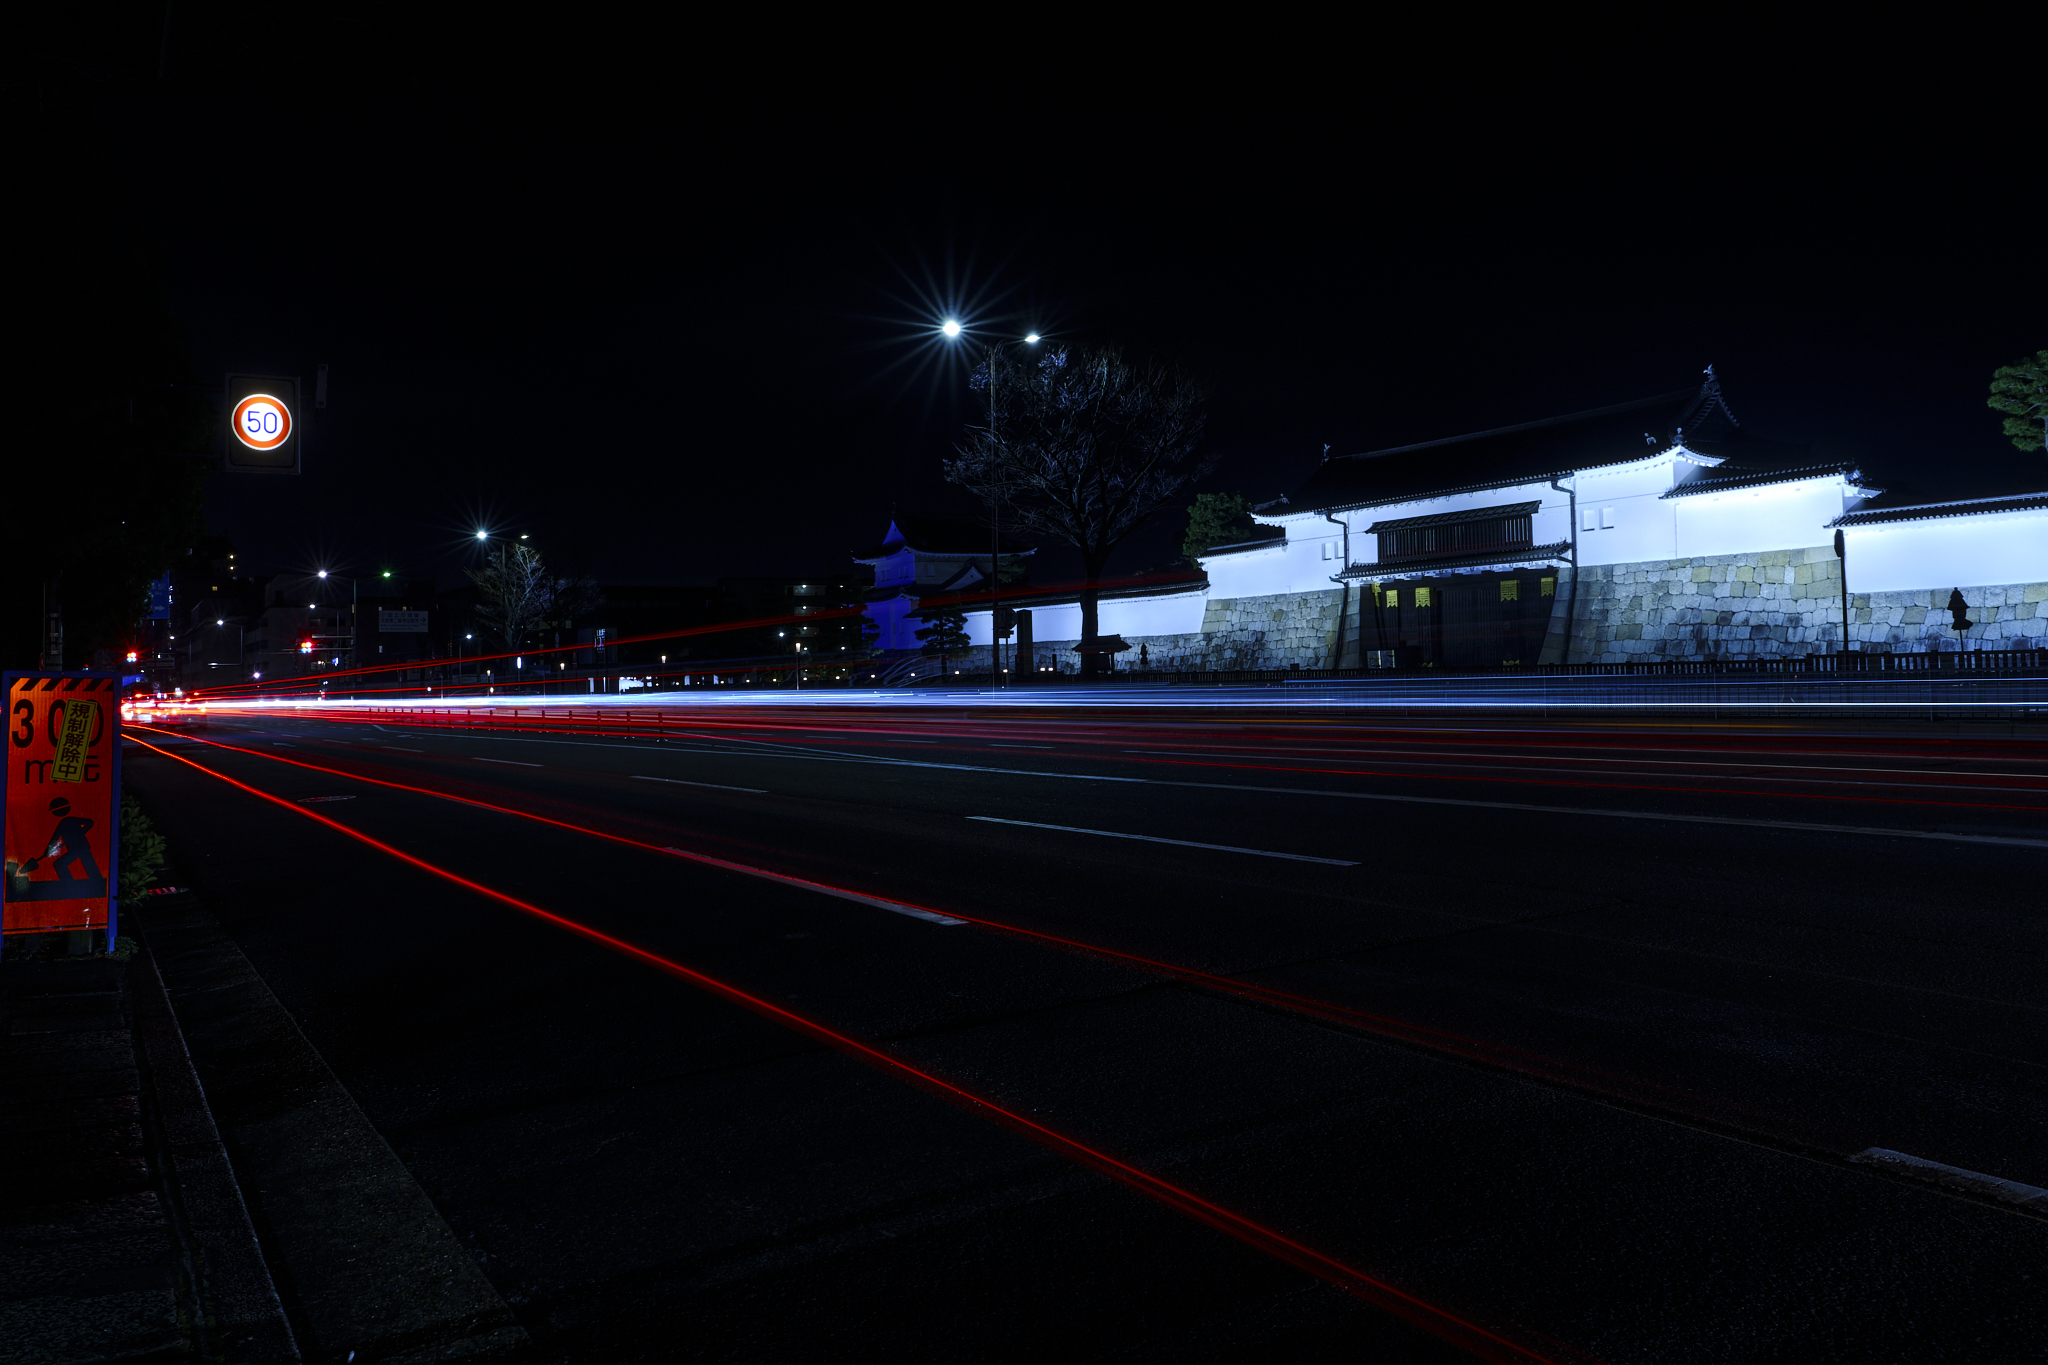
679	782
1155	839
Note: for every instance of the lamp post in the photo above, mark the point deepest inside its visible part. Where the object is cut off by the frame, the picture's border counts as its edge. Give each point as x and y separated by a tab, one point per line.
952	331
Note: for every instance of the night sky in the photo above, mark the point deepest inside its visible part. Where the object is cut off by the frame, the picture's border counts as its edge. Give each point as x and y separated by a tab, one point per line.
662	298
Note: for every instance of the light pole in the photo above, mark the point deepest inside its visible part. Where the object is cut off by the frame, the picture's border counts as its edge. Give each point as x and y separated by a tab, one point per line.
952	331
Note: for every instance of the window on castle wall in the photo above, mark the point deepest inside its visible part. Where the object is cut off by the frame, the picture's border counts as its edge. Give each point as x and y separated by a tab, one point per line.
1391	598
1547	586
1511	590
1422	597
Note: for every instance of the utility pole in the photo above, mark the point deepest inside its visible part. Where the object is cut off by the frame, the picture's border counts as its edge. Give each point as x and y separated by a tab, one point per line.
1842	554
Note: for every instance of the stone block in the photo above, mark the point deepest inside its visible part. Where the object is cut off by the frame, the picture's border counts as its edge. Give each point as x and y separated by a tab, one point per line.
1701	574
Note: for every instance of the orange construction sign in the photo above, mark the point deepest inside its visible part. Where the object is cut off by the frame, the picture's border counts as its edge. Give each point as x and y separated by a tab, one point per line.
63	802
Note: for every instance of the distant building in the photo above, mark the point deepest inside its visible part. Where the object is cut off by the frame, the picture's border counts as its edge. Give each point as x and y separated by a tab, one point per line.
922	559
1656	529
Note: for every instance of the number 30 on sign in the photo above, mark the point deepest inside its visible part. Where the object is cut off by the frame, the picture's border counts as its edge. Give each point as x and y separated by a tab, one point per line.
261	422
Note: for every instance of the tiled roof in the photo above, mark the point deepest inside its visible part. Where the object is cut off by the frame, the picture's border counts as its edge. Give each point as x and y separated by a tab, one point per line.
1930	511
1415	568
1238	547
1758	478
1505	509
937	536
1531	452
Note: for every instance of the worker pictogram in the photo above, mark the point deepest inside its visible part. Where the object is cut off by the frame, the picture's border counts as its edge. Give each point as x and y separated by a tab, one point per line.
63	802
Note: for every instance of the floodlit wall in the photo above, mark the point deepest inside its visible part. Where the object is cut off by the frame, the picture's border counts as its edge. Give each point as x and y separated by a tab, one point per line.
1949	552
1747	520
1699	577
1131	617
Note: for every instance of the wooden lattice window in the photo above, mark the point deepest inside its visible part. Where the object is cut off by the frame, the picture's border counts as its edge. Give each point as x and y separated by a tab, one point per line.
1479	531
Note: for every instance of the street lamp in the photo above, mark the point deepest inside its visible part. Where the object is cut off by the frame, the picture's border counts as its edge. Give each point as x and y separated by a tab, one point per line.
952	331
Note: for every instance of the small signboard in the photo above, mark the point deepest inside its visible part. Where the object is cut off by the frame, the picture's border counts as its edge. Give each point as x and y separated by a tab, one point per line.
402	622
263	424
160	598
63	782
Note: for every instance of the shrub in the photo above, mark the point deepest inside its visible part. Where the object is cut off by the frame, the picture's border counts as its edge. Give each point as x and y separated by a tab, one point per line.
142	850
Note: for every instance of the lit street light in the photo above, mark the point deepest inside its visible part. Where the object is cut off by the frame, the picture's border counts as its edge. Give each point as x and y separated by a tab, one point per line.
952	330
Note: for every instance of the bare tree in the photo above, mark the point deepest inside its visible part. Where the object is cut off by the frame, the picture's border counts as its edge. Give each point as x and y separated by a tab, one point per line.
1085	445
520	595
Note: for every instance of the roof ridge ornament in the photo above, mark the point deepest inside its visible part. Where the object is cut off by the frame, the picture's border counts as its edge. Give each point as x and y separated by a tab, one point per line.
1710	396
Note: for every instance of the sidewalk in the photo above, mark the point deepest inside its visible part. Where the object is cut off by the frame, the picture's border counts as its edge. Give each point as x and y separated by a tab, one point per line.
123	1235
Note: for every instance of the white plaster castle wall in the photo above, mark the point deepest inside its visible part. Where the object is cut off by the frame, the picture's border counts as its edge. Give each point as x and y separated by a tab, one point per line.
1746	520
1949	552
1287	565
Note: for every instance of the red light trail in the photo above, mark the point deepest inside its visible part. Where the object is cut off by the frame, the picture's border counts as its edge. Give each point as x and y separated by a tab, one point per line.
1479	1341
1519	1061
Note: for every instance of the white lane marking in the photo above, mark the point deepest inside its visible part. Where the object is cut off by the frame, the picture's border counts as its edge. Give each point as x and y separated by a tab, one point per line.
679	782
280	744
998	744
1184	843
1667	816
897	907
508	762
403	751
1532	767
311	799
1920	1168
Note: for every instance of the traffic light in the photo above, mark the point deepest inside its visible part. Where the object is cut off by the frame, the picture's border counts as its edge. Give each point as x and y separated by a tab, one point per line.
1959	609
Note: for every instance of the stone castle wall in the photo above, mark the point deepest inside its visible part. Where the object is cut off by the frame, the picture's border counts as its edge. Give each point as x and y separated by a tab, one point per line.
1773	604
1285	630
1780	604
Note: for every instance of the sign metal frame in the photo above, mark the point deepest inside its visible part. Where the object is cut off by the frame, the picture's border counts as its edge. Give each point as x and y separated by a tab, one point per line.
25	689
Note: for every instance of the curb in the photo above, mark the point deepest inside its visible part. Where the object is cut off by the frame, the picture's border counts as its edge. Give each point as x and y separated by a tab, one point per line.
366	1267
246	1318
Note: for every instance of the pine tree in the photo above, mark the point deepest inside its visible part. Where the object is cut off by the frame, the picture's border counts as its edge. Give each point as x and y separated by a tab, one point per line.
944	632
2021	393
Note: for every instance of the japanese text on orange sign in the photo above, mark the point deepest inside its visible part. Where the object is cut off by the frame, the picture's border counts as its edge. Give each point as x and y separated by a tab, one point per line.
80	720
61	802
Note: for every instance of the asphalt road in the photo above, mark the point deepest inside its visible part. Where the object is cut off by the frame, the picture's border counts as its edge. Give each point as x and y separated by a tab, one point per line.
1559	1037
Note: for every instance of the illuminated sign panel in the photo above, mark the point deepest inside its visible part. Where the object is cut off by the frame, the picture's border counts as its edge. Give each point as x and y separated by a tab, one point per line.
263	424
63	796
402	622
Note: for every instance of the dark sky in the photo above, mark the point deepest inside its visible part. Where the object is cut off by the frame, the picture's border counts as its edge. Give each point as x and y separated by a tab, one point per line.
659	296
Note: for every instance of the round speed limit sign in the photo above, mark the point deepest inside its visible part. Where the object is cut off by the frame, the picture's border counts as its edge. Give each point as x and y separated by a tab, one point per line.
261	422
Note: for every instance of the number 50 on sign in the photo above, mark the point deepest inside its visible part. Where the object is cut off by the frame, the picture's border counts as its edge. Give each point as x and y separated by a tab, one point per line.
263	435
